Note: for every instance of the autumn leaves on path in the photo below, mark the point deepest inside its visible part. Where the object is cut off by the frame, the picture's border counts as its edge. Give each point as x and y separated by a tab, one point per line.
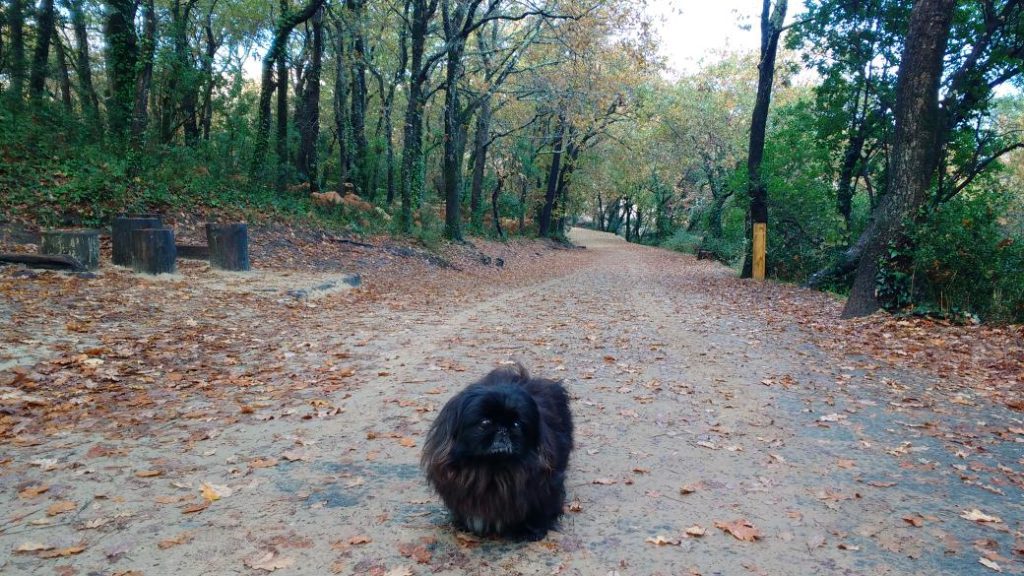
159	428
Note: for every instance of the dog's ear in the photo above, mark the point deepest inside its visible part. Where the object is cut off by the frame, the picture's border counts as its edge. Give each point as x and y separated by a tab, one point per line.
443	433
512	374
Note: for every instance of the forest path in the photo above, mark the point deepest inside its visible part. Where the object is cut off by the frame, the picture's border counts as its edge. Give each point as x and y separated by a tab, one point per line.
312	443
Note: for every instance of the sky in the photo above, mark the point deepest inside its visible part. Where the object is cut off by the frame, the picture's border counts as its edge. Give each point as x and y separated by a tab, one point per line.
693	30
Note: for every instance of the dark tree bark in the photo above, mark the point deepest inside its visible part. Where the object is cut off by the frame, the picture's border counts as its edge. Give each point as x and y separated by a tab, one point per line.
358	97
495	194
771	30
285	24
915	151
481	144
140	112
342	126
282	110
16	24
63	76
412	149
309	124
389	102
41	55
83	68
454	134
210	82
554	173
122	58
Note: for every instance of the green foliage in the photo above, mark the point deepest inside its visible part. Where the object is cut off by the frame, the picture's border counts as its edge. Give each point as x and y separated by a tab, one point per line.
963	259
683	241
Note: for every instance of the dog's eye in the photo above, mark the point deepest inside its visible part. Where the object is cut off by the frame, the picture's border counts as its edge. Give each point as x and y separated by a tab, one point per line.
486	422
517	424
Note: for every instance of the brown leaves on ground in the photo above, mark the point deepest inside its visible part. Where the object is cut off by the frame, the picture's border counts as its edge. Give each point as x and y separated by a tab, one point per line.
60	507
740	529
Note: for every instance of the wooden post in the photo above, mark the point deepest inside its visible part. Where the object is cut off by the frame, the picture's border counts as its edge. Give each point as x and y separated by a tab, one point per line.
229	245
153	251
760	247
121	235
84	245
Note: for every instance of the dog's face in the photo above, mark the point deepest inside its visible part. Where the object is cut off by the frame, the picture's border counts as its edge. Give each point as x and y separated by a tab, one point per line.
499	423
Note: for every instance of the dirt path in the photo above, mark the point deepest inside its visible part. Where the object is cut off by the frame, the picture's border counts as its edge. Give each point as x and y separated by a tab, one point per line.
304	422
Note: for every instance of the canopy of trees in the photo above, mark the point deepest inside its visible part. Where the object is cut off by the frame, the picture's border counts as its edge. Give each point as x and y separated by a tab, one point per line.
888	160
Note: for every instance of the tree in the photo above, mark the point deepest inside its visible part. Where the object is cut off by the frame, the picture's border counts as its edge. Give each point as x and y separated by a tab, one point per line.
41	56
771	29
286	22
915	158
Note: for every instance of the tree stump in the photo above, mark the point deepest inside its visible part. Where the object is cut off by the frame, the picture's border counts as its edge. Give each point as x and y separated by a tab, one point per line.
121	235
153	251
229	245
83	245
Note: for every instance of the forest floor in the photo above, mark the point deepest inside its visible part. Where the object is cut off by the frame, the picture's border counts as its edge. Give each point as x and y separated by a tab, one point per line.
214	423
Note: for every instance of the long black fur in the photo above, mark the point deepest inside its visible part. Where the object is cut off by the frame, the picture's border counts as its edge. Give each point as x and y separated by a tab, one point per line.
519	490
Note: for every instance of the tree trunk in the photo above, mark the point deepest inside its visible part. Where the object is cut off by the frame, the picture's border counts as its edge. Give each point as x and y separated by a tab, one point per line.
453	143
282	110
341	122
495	194
41	55
140	112
63	76
83	68
771	30
915	151
480	145
412	149
16	24
285	24
309	126
212	43
122	57
544	227
358	99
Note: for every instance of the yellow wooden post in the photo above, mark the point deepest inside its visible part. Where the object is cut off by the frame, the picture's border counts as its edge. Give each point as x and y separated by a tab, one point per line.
760	246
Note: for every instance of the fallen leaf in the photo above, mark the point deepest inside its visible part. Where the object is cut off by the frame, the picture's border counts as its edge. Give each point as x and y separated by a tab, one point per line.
740	529
605	481
263	463
60	507
696	531
846	464
195	508
148	473
32	547
400	571
360	539
850	547
688	489
62	552
182	538
269	562
214	492
33	491
294	455
976	515
990	564
407	442
662	541
916	520
418	552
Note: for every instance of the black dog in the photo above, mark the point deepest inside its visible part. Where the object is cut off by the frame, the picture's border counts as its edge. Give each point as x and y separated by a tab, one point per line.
497	454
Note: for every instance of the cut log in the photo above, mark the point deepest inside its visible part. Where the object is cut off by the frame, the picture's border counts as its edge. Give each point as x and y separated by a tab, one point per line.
121	235
84	245
47	262
229	245
153	251
193	251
